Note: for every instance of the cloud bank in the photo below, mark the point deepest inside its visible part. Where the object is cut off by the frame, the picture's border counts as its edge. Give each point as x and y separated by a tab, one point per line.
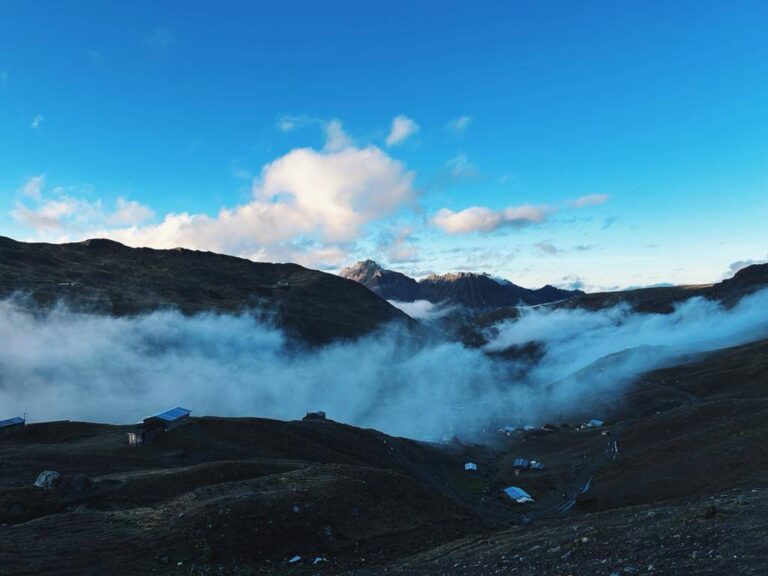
77	366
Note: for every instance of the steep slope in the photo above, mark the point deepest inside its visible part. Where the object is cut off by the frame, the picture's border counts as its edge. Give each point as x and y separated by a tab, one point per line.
476	291
106	277
388	284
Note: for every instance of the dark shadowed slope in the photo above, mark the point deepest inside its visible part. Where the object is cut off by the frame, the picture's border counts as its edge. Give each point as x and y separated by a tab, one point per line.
106	277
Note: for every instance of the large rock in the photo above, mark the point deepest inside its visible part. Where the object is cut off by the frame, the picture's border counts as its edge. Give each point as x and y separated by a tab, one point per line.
48	480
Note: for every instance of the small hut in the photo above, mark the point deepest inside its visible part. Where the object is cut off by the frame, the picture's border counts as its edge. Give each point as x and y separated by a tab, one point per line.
11	425
518	495
152	426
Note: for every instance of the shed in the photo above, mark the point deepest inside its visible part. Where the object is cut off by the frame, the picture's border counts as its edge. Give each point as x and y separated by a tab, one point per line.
537	465
518	495
169	419
470	466
153	426
594	423
11	425
520	463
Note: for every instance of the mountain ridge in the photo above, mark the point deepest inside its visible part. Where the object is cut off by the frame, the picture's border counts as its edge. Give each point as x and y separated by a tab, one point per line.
468	289
103	276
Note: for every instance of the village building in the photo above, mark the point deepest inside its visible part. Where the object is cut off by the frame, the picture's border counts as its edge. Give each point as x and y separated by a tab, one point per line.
518	495
152	426
470	466
11	425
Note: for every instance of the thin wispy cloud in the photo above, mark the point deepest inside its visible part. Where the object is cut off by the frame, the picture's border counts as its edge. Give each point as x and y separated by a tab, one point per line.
402	129
589	200
460	168
160	38
33	187
37	122
459	125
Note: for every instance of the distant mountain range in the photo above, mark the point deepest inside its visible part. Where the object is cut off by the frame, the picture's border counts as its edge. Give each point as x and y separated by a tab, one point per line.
477	291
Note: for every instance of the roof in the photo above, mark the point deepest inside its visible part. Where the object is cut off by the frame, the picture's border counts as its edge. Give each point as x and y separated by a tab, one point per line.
520	462
518	494
470	466
171	414
11	421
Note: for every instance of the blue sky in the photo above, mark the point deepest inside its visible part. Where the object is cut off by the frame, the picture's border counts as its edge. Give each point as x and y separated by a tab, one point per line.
595	144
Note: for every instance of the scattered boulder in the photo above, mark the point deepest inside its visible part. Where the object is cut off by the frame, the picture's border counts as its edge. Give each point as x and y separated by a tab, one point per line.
48	480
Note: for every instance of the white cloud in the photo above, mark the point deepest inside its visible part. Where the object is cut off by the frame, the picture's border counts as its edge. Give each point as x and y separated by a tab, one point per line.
402	129
460	124
481	219
335	137
33	186
589	200
400	246
129	212
306	207
63	213
37	121
423	309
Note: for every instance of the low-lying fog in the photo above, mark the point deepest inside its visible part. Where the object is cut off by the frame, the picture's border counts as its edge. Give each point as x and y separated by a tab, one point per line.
66	365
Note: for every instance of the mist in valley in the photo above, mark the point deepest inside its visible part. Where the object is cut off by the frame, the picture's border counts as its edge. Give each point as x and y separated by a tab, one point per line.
67	365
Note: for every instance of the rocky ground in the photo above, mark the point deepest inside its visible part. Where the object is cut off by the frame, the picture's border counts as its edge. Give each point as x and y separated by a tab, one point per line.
674	483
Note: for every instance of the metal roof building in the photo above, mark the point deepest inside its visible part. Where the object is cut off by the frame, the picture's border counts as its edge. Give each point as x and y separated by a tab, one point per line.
470	466
518	494
11	425
171	415
12	421
520	463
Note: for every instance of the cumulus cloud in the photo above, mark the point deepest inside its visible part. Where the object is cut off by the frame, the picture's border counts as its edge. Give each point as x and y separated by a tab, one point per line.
327	196
460	124
307	206
589	200
402	129
480	219
63	213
